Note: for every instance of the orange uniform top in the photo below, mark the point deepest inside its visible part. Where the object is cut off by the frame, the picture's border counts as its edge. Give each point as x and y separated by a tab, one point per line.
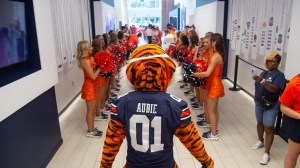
291	95
216	88
88	90
206	56
134	39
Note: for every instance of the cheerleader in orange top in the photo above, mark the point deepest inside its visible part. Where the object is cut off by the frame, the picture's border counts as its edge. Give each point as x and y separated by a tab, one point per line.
216	88
205	52
114	41
108	50
88	92
98	45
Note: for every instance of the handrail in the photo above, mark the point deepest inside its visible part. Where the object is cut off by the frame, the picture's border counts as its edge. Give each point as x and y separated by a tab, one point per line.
235	88
252	64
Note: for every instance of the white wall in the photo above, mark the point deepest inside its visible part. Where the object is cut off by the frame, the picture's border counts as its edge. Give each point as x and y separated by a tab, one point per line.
292	66
121	12
100	9
209	18
190	10
71	76
290	58
17	94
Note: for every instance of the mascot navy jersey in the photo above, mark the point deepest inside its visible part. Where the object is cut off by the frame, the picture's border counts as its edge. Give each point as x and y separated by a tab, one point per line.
150	120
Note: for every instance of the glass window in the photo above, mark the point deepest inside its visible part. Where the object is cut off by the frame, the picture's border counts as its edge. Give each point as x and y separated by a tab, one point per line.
144	21
143	3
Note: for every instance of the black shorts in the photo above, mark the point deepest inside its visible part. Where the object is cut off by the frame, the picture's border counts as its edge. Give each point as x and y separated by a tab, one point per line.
293	129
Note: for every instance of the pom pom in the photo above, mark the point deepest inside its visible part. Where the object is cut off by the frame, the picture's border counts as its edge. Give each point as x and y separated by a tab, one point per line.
104	62
201	65
182	54
189	68
120	51
172	50
114	58
190	57
197	82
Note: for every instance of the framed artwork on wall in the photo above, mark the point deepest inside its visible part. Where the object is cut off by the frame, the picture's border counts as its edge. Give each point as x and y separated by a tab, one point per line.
19	51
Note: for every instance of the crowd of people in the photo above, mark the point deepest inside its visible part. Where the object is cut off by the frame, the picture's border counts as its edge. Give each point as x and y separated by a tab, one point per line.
187	49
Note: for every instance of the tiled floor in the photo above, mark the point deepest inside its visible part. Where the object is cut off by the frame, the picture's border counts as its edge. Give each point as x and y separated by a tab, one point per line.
237	127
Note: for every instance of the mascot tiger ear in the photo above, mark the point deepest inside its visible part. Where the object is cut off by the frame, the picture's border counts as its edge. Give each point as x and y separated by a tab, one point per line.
149	69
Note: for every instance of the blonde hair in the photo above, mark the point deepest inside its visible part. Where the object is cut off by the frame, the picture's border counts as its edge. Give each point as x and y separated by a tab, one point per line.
209	34
82	51
273	55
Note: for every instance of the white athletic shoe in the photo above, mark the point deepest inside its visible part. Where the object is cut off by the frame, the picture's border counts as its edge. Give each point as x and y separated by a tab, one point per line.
258	145
265	159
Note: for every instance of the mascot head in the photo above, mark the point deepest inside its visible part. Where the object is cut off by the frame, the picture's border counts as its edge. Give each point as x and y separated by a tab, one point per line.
150	68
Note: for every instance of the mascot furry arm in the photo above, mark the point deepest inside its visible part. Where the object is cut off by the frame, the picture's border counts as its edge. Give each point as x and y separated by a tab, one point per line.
149	117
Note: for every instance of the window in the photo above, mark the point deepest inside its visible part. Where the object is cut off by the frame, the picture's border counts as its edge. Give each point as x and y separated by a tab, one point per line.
143	3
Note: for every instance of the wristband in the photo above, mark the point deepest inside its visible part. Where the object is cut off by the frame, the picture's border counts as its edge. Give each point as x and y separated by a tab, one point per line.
263	81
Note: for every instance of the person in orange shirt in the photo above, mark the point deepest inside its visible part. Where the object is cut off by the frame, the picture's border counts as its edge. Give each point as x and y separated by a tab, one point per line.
159	35
216	88
134	38
290	106
88	91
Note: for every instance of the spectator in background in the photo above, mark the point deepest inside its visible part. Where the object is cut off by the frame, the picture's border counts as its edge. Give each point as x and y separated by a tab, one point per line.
149	34
133	29
172	29
169	38
290	106
124	29
268	86
159	35
133	38
155	40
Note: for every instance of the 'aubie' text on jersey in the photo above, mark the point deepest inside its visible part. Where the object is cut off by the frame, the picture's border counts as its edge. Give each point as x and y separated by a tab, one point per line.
146	108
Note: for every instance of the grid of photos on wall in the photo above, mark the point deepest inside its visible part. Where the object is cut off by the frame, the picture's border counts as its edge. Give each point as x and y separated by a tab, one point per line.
70	22
258	27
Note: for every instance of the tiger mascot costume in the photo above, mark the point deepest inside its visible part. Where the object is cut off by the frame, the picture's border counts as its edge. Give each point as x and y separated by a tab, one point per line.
149	117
